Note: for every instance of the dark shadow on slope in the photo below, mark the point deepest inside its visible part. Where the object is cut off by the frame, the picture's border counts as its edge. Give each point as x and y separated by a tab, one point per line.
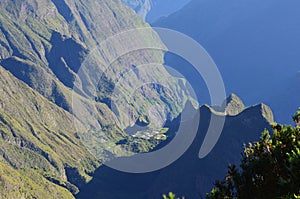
64	10
189	175
16	52
30	74
65	58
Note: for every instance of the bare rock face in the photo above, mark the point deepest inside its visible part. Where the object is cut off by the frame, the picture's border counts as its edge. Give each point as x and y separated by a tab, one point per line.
232	106
267	113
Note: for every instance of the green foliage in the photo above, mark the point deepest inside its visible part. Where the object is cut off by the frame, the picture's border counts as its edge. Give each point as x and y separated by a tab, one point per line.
170	196
296	118
269	168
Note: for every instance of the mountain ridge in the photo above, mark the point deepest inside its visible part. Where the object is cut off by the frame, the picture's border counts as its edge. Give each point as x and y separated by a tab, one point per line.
252	42
189	175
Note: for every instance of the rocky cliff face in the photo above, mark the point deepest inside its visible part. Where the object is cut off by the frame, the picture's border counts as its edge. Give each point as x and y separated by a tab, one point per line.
232	106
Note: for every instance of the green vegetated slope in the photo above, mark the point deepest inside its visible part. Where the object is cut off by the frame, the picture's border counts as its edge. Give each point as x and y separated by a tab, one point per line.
45	42
39	145
45	152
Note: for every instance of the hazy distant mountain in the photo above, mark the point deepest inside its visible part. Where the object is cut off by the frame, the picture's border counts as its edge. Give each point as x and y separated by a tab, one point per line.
286	99
188	176
255	43
152	10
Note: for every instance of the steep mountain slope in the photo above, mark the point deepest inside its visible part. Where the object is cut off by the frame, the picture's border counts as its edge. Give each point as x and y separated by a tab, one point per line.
48	148
151	10
59	46
189	175
46	43
254	43
40	146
